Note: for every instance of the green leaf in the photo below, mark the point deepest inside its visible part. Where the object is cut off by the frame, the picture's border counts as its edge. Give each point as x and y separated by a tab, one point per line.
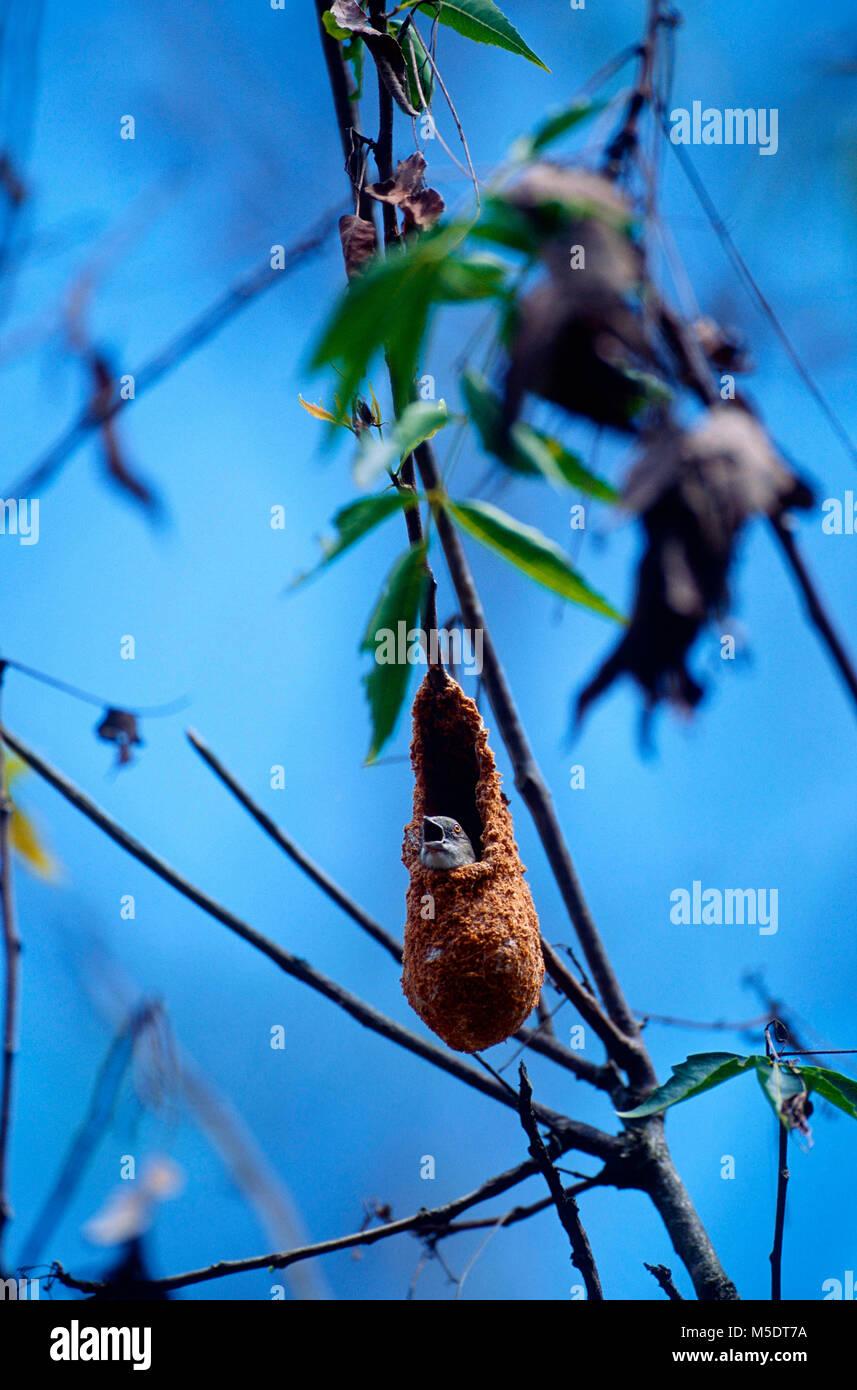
387	308
840	1090
465	278
570	467
353	523
387	682
353	53
333	28
481	21
696	1074
505	225
530	551
528	450
415	59
551	129
417	422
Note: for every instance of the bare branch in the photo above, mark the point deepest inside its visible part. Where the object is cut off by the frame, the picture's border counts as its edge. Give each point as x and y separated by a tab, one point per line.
581	1251
12	971
303	861
200	331
434	1222
602	1077
583	1137
664	1277
531	785
776	1256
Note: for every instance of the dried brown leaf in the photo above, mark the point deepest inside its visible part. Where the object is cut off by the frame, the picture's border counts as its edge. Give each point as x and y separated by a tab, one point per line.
119	726
695	490
421	207
358	242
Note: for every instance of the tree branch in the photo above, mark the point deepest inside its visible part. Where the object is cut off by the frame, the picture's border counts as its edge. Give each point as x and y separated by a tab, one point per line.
531	785
303	861
581	1251
434	1222
203	328
604	1078
12	968
776	1256
664	1277
583	1137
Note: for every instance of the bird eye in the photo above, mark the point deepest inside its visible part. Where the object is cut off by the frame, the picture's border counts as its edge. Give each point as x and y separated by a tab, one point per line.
456	830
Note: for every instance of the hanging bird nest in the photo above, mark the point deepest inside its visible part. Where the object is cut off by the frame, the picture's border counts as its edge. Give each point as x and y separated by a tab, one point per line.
473	965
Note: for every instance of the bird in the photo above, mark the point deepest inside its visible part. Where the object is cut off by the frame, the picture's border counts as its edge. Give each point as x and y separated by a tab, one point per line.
444	845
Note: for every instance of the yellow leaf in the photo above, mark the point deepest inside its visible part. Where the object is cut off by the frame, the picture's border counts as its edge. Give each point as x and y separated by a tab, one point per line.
319	412
25	839
14	768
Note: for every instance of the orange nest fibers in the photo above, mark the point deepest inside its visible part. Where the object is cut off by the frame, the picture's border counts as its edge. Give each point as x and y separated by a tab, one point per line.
473	965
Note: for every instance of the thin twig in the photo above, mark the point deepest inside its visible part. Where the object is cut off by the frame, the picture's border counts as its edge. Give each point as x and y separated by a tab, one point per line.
698	375
200	331
303	861
99	1113
718	1026
494	1228
87	697
347	111
721	231
384	142
664	1276
780	1221
602	1077
531	785
814	605
12	973
627	1052
566	1206
348	121
584	1137
624	143
458	125
436	1221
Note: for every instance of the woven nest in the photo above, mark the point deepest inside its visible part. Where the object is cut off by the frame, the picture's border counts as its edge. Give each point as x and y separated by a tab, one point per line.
472	971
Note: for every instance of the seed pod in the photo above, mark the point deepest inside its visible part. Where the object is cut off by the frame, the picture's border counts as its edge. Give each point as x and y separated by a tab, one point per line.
473	964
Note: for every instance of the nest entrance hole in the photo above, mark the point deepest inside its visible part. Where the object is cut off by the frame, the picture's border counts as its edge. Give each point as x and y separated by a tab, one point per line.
449	774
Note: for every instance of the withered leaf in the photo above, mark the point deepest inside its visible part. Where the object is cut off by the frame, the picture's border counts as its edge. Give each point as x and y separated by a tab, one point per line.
386	53
722	347
421	207
578	192
119	726
796	1111
358	242
695	490
407	179
422	210
580	340
103	390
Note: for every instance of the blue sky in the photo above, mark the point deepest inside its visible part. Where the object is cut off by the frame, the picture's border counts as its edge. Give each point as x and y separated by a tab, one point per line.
235	150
